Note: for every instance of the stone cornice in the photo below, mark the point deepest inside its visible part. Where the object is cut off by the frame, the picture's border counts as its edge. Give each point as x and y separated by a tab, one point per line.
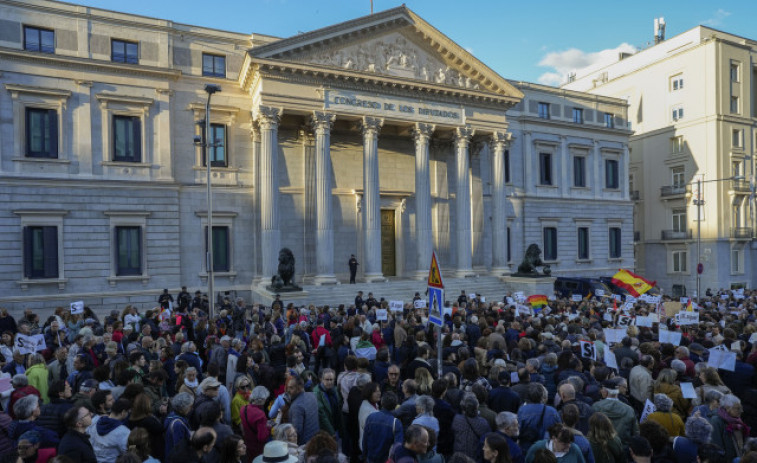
85	64
571	125
15	89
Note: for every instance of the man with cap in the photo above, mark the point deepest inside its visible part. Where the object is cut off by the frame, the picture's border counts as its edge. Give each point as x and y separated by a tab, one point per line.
83	398
208	392
622	416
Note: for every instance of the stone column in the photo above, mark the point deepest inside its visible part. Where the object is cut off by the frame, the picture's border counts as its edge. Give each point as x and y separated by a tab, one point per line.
371	200
462	203
423	232
255	139
500	142
270	235
322	123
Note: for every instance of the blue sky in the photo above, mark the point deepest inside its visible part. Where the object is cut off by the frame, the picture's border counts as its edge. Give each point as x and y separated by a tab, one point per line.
536	41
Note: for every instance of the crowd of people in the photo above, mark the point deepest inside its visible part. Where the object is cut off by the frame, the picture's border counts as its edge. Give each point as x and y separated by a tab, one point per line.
360	383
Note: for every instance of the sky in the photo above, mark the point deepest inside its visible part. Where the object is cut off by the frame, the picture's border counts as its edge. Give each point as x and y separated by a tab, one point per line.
535	41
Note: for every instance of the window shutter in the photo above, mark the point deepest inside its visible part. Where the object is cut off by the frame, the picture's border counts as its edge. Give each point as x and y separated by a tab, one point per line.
27	252
53	120
589	115
533	106
136	127
50	239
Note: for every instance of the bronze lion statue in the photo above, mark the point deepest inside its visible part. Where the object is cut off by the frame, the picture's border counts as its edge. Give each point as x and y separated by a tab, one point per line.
285	277
531	260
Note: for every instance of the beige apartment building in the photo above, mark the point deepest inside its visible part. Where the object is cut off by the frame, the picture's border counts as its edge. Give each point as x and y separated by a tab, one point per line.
693	112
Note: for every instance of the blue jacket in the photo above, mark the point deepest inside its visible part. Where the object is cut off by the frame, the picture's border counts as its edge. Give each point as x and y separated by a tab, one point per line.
529	416
17	428
382	430
176	430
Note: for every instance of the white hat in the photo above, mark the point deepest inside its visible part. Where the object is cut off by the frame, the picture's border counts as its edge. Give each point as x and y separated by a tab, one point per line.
275	451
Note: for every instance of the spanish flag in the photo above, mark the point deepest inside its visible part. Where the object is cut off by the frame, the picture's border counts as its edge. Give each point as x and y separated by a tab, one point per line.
537	300
634	284
690	305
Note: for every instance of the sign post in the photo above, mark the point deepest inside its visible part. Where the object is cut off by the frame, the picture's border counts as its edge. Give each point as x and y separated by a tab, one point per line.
436	306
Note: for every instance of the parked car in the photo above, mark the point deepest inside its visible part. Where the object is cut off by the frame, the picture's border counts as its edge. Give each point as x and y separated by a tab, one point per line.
567	286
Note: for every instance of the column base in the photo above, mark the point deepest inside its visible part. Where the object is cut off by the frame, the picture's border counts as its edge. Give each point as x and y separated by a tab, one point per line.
465	273
421	275
500	271
374	278
325	280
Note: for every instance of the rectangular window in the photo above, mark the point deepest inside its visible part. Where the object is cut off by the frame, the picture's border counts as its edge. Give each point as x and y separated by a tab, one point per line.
41	40
609	120
676	83
734	104
737	138
615	244
41	133
507	166
509	255
213	65
676	144
583	243
578	115
221	248
677	177
735	72
550	243
612	175
122	51
544	110
128	251
545	168
677	113
41	252
579	171
679	220
217	146
735	261
679	261
127	139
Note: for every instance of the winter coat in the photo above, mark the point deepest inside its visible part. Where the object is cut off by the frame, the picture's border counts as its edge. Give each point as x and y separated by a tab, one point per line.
330	420
176	430
254	429
38	376
622	416
76	446
17	428
680	405
468	432
108	437
303	414
574	455
51	415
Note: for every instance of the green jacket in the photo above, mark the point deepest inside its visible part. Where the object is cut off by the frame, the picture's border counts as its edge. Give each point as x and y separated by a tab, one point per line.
622	416
38	376
330	420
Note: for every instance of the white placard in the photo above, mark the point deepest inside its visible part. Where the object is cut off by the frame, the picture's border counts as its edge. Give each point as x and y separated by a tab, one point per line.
519	295
77	307
523	309
649	408
420	304
600	292
588	350
617	297
624	320
572	316
688	318
607	317
630	298
382	315
687	389
722	360
510	301
723	296
610	359
655	317
736	345
753	338
30	344
514	379
576	298
670	337
471	296
653	299
684	300
551	297
482	298
614	336
628	306
396	306
643	321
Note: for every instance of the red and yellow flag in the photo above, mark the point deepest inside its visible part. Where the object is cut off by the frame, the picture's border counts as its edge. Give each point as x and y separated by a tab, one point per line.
537	300
690	305
634	284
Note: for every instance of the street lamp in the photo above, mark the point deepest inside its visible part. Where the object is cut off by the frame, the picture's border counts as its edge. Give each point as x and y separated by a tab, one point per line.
698	201
210	89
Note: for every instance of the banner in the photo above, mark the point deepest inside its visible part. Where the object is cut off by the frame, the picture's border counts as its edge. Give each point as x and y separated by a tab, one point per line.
396	306
588	350
77	307
420	304
382	315
30	344
649	408
634	284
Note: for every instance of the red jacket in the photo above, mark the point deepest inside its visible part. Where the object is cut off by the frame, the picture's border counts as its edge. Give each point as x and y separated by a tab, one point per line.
20	393
316	335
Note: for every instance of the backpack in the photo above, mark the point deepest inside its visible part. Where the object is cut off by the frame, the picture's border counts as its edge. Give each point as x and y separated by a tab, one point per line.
531	433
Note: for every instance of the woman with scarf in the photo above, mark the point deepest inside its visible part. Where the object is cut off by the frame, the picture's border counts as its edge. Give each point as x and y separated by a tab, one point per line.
243	388
729	431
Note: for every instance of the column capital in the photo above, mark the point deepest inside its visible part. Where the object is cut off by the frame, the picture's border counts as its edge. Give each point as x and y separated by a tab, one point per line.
322	121
463	135
305	135
255	131
501	140
371	125
267	116
422	132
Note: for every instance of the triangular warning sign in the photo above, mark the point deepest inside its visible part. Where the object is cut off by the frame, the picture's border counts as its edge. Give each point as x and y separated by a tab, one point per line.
435	274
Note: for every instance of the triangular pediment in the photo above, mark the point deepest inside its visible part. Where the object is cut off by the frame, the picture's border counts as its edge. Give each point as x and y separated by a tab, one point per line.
395	43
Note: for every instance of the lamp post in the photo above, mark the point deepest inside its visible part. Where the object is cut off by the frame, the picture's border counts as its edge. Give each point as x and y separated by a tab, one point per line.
698	201
207	143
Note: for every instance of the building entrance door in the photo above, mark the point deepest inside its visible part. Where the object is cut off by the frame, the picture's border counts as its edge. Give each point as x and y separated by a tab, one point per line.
388	245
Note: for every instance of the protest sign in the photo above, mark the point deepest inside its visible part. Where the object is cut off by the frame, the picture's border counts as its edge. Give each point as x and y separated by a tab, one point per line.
30	344
588	350
510	301
649	408
576	298
77	307
382	315
482	298
610	359
607	317
600	292
688	318
753	338
670	337
524	310
617	297
722	359
624	320
471	296
630	298
687	389
643	321
514	379
420	304
396	306
614	336
671	308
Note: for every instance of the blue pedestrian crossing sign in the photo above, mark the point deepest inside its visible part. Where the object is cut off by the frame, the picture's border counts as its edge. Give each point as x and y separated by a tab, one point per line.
435	305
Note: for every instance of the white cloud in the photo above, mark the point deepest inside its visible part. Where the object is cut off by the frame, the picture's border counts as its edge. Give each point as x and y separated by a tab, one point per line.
573	60
717	19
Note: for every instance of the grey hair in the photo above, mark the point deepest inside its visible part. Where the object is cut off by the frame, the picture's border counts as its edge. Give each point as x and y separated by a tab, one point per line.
190	370
25	406
577	382
534	362
362	380
679	366
505	419
663	403
182	402
236	342
259	395
281	431
713	394
425	403
241	378
35	359
683	350
698	429
19	381
469	405
728	401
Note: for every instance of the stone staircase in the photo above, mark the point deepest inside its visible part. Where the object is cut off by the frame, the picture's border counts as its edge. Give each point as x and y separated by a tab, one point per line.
491	287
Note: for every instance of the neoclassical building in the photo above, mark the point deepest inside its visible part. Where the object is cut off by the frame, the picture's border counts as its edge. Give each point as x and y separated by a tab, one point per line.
378	137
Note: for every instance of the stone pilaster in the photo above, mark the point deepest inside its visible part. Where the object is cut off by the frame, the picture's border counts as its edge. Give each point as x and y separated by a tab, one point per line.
270	234
462	203
371	126
322	123
423	232
500	142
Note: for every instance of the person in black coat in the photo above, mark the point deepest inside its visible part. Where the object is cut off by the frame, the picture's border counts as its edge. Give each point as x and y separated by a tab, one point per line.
75	443
443	412
502	398
51	414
